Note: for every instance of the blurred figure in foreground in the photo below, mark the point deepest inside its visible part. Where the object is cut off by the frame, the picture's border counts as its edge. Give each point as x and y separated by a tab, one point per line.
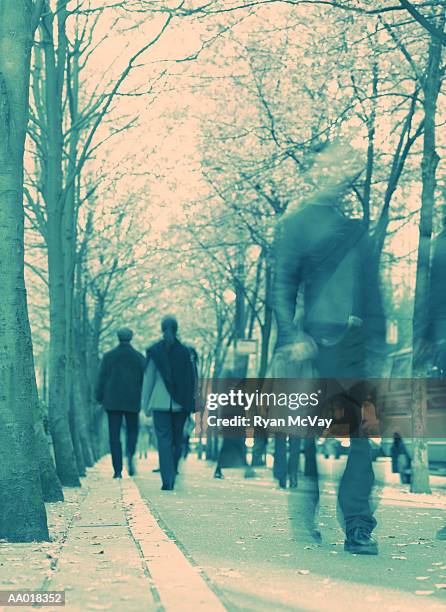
119	391
287	444
436	307
324	254
169	396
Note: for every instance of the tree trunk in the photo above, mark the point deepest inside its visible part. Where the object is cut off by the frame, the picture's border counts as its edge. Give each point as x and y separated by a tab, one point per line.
267	322
22	511
51	487
431	87
75	436
59	376
420	460
58	408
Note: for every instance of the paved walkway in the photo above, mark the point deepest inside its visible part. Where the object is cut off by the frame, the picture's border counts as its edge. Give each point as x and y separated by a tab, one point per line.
249	539
108	553
235	544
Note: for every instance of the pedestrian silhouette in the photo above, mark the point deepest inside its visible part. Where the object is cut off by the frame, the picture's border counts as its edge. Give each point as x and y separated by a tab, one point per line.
169	396
323	254
118	389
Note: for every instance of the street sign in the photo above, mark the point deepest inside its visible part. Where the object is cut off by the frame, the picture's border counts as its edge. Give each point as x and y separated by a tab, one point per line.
391	331
246	347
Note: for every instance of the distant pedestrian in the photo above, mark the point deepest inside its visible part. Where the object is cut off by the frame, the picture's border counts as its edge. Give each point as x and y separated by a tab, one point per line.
118	389
169	396
145	437
400	459
232	451
189	427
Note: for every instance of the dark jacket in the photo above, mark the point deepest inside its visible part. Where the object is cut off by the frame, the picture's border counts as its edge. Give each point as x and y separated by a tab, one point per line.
177	367
120	379
436	306
326	257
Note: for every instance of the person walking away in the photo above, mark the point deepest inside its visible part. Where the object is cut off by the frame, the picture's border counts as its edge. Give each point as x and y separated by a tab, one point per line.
189	427
169	396
118	389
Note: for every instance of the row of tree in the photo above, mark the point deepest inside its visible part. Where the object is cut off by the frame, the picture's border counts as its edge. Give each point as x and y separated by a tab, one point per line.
268	84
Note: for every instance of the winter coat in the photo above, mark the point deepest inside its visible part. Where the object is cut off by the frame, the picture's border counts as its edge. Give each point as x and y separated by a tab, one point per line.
171	377
120	379
328	258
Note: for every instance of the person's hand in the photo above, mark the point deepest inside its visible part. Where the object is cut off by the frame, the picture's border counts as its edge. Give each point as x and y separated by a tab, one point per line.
370	422
304	348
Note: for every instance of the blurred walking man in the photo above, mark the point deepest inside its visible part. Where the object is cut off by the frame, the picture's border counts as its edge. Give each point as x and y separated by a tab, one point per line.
323	255
119	391
436	307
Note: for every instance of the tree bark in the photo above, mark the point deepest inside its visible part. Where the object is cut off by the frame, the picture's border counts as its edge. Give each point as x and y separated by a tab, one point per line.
22	511
431	88
59	379
51	487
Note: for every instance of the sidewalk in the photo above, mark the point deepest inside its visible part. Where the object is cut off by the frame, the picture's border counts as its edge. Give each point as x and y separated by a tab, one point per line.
236	541
248	536
107	553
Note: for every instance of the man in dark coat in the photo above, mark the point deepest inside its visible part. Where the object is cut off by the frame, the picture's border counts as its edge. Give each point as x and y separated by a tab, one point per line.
169	395
324	256
119	391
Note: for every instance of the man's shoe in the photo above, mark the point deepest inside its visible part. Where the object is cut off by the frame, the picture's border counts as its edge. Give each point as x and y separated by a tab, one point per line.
117	475
166	488
131	466
156	470
282	483
218	474
360	542
316	535
441	533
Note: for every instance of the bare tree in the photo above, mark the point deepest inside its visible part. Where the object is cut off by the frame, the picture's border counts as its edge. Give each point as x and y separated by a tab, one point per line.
22	511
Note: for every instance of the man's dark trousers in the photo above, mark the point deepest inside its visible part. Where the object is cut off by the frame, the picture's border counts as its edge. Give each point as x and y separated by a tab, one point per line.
282	467
169	428
337	363
114	429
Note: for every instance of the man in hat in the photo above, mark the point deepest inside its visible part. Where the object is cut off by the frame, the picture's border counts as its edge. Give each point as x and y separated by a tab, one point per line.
119	391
